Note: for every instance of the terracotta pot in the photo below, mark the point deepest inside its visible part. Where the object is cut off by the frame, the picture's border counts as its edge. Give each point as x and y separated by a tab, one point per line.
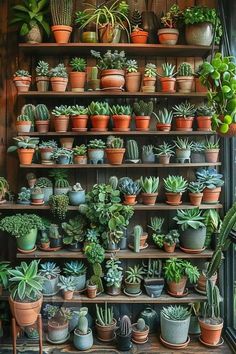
67	142
164	127
46	155
42	83
59	84
34	35
80	160
77	81
112	79
132	82
121	122
212	155
99	122
115	156
61	33
129	199
211	196
68	295
139	37
139	336
173	198
168	84
210	333
149	81
169	248
184	124
42	126
149	198
185	83
201	283
199	34
168	36
25	313
25	156
164	159
109	33
45	245
61	124
106	333
195	198
199	86
22	83
92	291
232	130
204	123
177	288
23	126
79	122
142	122
143	239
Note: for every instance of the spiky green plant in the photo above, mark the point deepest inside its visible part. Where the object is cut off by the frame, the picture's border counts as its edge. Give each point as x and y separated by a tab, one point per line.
165	149
168	70
191	218
184	110
164	116
134	275
78	64
149	184
175	184
132	150
61	12
185	69
175	313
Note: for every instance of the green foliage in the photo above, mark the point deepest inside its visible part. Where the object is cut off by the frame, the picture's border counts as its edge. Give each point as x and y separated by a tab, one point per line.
164	116
78	64
61	110
104	316
132	150
168	70
4	186
182	144
172	237
24	142
74	230
49	270
150	70
175	184
114	274
22	73
128	187
23	118
29	110
57	314
41	112
4	273
212	144
110	60
98	108
48	144
67	283
175	269
213	223
156	224
158	240
190	218
96	144
205	110
96	277
19	225
131	66
175	313
62	152
59	71
165	149
211	308
59	205
195	187
24	195
142	108
95	253
184	110
121	110
147	150
141	325
153	268
198	146
134	275
80	150
74	268
185	69
172	17
43	182
209	177
78	110
114	142
149	184
42	68
61	12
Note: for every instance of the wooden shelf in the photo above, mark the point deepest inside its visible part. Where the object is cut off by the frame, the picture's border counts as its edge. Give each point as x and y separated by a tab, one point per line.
158	50
150	252
123	165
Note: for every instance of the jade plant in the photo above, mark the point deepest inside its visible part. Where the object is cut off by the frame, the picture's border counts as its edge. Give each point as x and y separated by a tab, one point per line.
95	254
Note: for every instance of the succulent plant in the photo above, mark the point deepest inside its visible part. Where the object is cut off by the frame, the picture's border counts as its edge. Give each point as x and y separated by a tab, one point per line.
23	118
78	110
121	110
134	274
128	187
59	205
78	64
141	325
142	108
172	237
48	144
61	110
98	108
209	144
41	112
114	142
67	283
42	68
131	66
49	270
74	268
104	316
43	182
114	275
150	70
24	195
195	187
82	325
80	150
184	110
23	142
59	71
198	146
74	230
191	218
96	144
168	70
132	150
209	177
175	184
61	12
149	184
185	69
165	149
182	144
22	73
175	313
205	110
164	116
125	326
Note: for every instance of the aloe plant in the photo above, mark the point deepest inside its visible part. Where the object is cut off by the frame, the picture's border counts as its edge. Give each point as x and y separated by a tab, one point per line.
191	218
175	184
149	184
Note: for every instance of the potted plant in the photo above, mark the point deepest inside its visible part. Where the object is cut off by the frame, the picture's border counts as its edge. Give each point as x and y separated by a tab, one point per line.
200	24
42	118
175	186
78	74
133	278
185	78
93	83
211	323
62	156
74	232
25	299
23	124
170	240
164	153
79	118
68	286
31	18
4	189
149	189
199	86
138	238
105	323
167	78
148	155
59	78
204	117
113	276
153	282
138	35
25	147
87	34
132	76
193	230
83	335
195	192
212	182
99	115
24	196
156	226
91	289
132	151
140	332
130	189
212	149
164	119
115	150
42	76
95	254
58	323
77	270
176	272
112	66
25	229
184	113
77	194
175	322
50	271
150	77
46	185
54	236
121	117
59	206
143	111
61	13
37	196
123	334
46	149
22	80
183	149
96	151
45	242
169	34
80	155
197	151
61	118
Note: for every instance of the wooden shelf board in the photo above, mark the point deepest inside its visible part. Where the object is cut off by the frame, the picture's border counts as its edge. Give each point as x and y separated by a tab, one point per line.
123	165
150	252
158	50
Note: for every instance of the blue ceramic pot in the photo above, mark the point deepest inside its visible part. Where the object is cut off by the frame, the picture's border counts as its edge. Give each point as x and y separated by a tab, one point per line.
77	198
83	341
96	156
63	160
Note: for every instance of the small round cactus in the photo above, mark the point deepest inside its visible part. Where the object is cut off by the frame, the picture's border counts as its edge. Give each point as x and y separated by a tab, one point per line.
141	325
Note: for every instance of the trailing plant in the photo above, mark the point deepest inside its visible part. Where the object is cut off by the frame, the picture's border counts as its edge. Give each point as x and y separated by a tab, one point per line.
149	184
59	71
150	70
185	69
110	60
42	68
165	149
78	64
184	110
163	116
190	218
131	66
134	274
142	108
98	108
121	110
61	12
59	205
175	269
175	184
96	144
74	230
104	316
175	313
210	178
195	187
19	225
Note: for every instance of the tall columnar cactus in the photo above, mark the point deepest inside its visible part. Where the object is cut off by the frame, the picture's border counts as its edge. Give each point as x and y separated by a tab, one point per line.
125	326
211	308
94	73
61	11
141	325
83	321
113	181
104	315
29	110
132	150
41	112
138	231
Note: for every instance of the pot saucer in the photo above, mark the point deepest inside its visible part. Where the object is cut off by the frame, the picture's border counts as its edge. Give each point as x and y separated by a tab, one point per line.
192	251
221	342
60	341
26	252
178	295
175	346
121	129
106	340
119	89
125	203
79	129
141	247
142	129
53	294
170	203
132	295
32	203
199	291
98	130
50	249
47	162
134	341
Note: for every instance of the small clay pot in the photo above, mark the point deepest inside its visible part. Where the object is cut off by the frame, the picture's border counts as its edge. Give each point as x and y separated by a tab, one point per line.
68	295
129	199
164	127
211	196
168	84
92	291
142	123
204	123
121	122
132	82
173	198
164	159
169	248
149	198
168	36
195	198
184	83
139	336
115	156
177	288
184	124
212	155
61	33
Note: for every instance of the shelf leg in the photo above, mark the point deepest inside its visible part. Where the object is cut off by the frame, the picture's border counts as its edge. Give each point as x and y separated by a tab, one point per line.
40	329
14	334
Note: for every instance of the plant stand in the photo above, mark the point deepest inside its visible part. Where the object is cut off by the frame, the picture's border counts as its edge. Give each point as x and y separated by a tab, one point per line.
16	330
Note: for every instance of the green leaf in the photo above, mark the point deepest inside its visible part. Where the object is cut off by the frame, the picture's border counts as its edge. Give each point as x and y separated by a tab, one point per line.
215	75
24	29
41	4
21	8
21	290
226	89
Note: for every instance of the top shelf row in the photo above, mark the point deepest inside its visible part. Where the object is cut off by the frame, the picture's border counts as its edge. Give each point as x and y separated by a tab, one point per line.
157	50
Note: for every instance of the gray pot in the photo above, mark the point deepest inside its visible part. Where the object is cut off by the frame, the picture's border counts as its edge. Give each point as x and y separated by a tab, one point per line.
197	157
174	332
50	287
148	158
83	341
194	327
154	287
57	332
48	191
77	198
132	288
199	34
123	243
183	153
96	156
80	282
193	239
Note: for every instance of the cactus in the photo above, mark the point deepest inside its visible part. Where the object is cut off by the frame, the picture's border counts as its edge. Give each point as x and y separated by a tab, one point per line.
41	112
185	69
153	268
113	181
136	18
138	231
29	110
141	325
94	73
105	316
132	150
83	321
96	277
125	326
62	183
142	108
211	308
61	11
22	118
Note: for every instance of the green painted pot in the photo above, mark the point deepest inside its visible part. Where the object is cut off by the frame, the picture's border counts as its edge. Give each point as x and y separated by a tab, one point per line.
89	37
27	242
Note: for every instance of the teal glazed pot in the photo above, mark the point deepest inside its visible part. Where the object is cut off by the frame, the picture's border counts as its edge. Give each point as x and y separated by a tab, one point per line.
27	242
83	341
